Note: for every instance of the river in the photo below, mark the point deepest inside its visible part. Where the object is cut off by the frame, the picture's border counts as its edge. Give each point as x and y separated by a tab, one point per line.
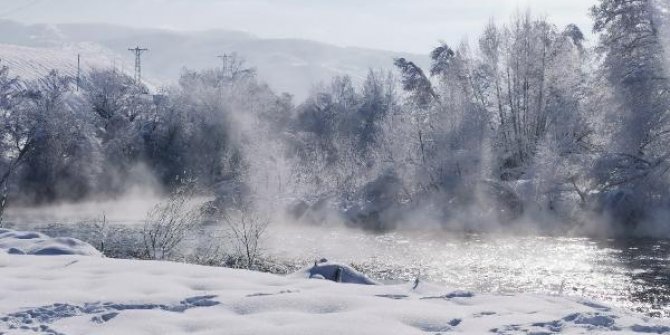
628	273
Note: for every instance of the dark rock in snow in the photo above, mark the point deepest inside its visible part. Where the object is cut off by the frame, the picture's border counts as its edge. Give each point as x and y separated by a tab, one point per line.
338	273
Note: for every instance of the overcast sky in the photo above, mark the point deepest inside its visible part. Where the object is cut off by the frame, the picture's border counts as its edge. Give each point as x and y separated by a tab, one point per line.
401	25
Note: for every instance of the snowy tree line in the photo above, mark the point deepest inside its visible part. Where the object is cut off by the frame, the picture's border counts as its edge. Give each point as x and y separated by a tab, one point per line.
530	122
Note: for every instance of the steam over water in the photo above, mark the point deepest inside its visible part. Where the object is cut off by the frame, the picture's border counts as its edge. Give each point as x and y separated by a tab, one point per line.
633	274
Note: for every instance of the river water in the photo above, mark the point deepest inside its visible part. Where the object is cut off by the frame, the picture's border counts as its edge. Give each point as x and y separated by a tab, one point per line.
633	274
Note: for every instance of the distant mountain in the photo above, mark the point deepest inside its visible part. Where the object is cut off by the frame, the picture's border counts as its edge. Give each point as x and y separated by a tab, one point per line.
288	65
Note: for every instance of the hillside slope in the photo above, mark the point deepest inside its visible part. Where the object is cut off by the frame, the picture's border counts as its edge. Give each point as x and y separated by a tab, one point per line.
30	63
288	65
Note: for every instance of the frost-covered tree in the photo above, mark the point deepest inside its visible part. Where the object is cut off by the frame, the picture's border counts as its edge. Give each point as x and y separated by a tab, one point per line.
632	172
633	63
64	161
564	152
523	61
224	128
451	132
123	114
190	136
485	115
15	138
338	131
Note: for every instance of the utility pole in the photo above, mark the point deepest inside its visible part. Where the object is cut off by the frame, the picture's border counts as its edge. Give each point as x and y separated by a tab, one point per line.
78	71
138	63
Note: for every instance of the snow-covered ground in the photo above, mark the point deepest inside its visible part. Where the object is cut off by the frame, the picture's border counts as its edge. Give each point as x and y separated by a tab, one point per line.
32	63
77	294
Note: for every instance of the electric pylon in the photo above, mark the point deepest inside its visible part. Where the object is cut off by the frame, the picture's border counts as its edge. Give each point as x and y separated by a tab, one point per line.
138	63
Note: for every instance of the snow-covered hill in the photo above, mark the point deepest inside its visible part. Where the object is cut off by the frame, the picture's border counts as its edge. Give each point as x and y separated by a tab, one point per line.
31	63
288	65
92	295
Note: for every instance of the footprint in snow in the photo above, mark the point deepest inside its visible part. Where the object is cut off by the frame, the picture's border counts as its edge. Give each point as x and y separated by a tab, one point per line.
37	319
454	294
261	294
393	296
436	327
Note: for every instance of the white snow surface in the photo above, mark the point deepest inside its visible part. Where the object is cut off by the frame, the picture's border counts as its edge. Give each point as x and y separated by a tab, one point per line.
33	243
31	63
92	295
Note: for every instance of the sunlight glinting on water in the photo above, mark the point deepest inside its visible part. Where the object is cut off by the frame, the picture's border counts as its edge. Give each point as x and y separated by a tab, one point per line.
577	267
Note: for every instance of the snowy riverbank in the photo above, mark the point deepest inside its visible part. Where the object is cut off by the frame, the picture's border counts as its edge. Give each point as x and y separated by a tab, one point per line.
92	295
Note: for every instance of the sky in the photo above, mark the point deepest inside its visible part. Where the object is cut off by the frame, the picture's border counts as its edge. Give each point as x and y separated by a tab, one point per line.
398	25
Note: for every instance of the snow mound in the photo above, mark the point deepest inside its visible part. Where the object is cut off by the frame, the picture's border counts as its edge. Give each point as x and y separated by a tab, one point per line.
336	272
33	243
